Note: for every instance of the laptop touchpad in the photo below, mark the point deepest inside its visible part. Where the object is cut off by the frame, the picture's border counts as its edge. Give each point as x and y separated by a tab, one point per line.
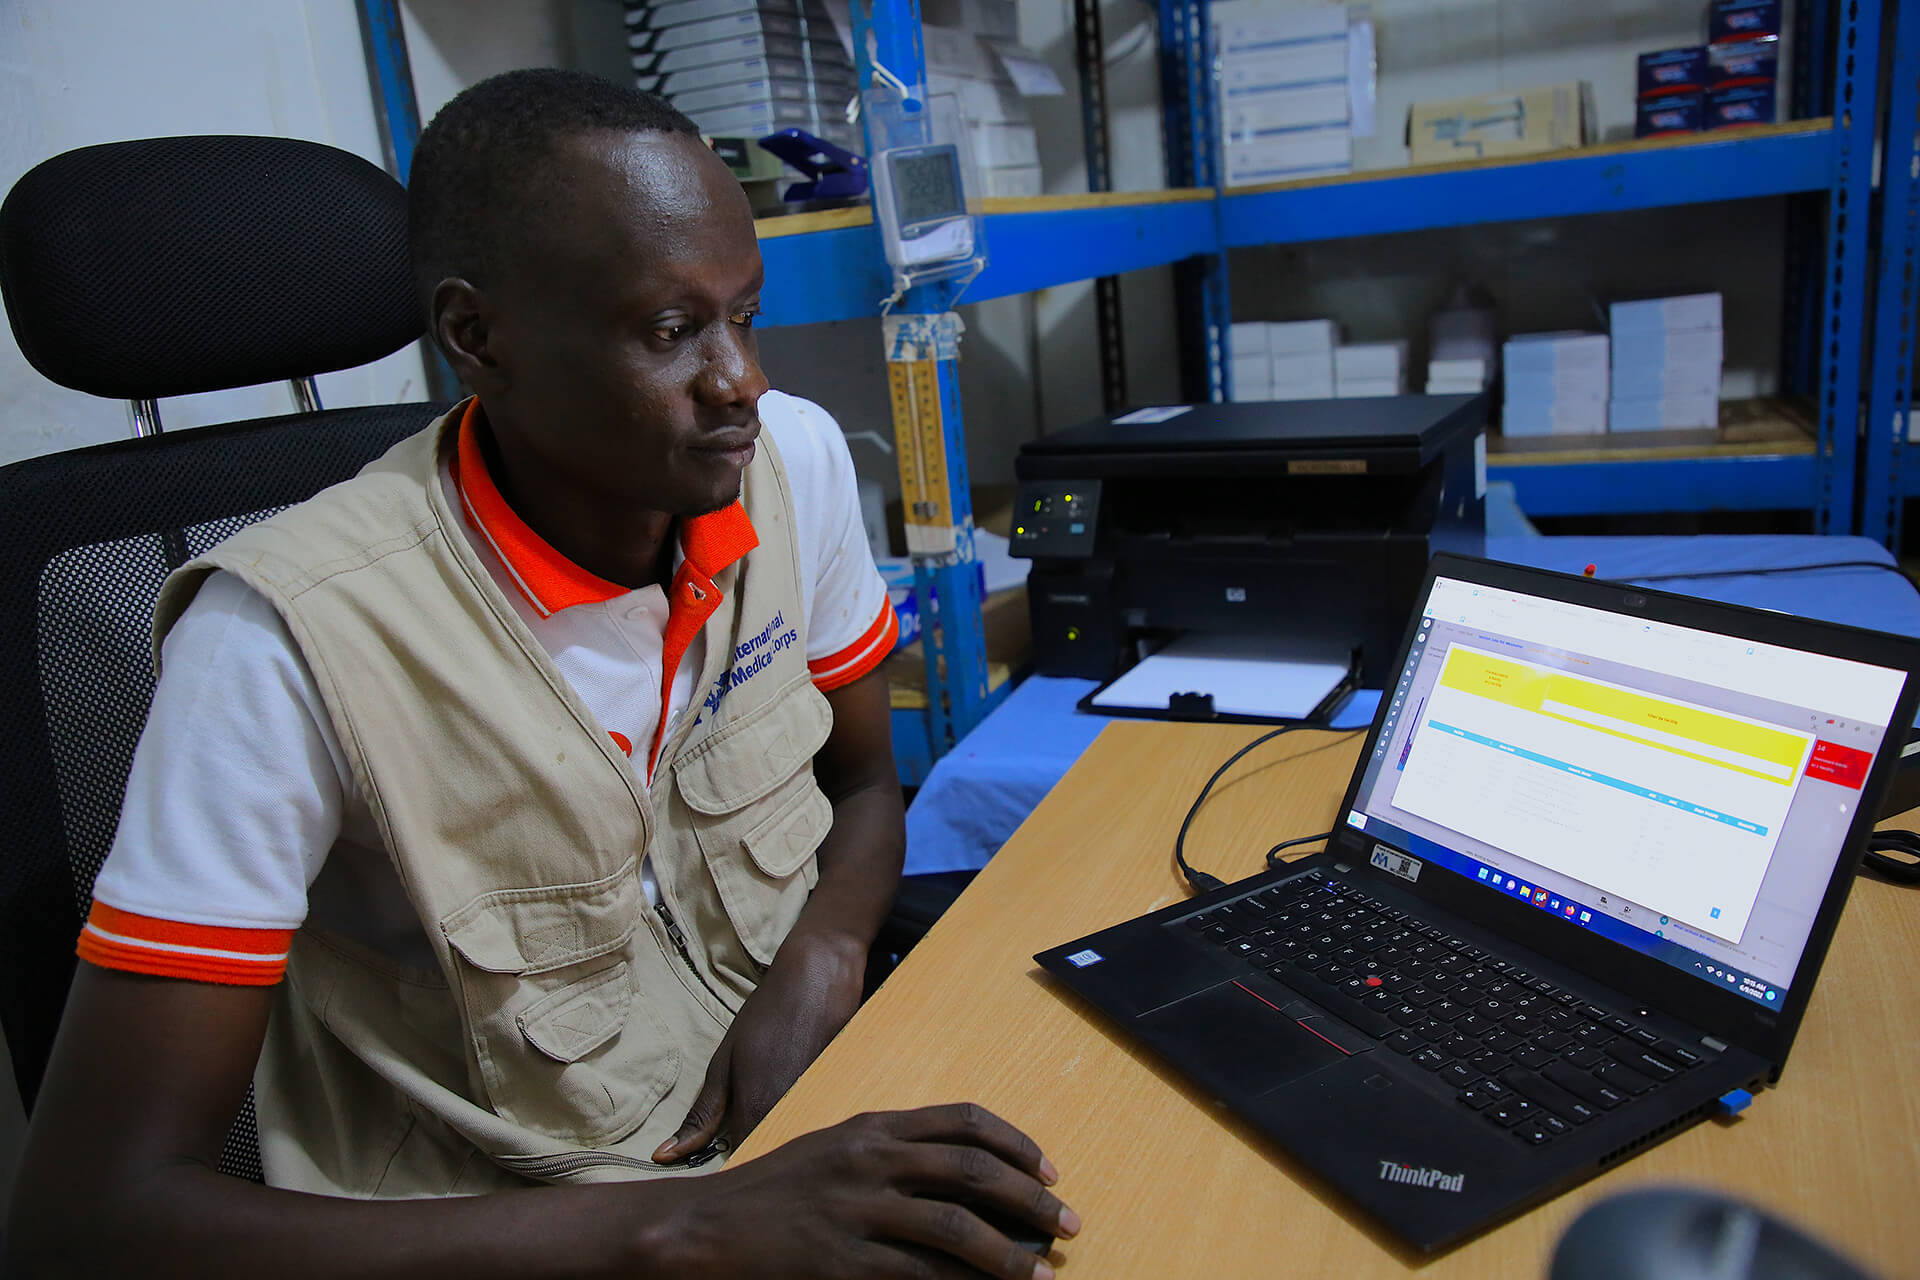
1234	1042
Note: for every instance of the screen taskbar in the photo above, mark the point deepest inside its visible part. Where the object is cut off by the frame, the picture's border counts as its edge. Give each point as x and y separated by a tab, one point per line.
1582	915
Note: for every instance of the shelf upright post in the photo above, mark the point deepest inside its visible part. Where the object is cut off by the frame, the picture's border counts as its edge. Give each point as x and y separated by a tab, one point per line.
1090	51
1896	292
1856	105
1203	307
921	334
1810	97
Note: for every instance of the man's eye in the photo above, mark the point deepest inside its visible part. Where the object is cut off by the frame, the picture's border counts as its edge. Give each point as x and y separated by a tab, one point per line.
672	332
745	319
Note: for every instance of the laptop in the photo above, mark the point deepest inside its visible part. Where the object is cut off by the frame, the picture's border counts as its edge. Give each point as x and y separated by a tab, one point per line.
1575	901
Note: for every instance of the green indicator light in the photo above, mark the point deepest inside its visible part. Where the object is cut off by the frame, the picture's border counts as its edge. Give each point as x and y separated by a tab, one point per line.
1037	503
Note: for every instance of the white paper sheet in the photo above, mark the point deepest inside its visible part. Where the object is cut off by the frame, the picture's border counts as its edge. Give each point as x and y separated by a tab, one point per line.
1247	676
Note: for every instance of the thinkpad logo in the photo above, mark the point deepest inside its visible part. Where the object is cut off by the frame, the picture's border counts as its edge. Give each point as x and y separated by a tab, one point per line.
1432	1179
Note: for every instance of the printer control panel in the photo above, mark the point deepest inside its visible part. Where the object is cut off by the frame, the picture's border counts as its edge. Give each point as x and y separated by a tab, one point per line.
1055	518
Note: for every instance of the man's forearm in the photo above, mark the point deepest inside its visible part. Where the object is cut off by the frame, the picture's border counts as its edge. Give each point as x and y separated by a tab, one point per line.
187	1220
860	864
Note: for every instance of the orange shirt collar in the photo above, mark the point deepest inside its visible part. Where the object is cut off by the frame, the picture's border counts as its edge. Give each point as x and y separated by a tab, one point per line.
549	580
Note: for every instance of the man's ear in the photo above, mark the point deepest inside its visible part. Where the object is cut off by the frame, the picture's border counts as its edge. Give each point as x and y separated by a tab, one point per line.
463	330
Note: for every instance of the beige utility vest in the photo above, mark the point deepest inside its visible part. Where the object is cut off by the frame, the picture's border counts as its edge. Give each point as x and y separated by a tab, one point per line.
567	1029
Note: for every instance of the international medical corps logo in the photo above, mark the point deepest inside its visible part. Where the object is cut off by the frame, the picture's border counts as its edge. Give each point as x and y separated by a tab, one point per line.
750	657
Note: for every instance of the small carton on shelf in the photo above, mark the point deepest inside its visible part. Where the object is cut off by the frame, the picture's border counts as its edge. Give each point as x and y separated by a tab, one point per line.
1742	19
1307	153
1253	116
1255	26
1741	105
1670	413
1249	338
1301	337
1743	62
1513	122
1003	146
1682	70
1679	314
1014	182
1562	352
1370	369
1674	113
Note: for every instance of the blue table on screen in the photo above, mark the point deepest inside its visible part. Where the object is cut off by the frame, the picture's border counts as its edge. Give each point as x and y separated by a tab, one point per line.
978	793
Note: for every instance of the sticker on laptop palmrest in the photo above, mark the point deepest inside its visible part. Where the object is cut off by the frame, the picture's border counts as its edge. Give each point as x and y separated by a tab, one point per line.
1396	863
1081	959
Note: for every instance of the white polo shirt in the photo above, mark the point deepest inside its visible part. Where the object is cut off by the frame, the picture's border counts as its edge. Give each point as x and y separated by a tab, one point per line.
237	793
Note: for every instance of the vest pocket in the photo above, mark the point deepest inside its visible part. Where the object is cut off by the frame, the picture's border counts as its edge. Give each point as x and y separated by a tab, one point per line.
759	816
566	1043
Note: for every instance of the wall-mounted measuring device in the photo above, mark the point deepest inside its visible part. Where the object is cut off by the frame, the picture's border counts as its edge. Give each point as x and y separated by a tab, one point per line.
920	203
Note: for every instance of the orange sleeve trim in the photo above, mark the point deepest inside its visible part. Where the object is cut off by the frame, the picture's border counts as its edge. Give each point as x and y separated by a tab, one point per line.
841	669
116	939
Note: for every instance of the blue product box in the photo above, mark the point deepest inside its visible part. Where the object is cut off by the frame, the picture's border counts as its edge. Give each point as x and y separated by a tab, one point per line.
1741	62
1675	113
1742	105
1742	20
1673	71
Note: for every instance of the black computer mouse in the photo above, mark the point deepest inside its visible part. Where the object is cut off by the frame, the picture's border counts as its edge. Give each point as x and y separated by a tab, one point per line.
1678	1233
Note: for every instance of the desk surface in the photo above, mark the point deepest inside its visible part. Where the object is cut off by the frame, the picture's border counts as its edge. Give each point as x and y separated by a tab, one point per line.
1170	1186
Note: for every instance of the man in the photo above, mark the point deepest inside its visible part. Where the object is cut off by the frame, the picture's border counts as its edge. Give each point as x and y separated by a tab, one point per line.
525	807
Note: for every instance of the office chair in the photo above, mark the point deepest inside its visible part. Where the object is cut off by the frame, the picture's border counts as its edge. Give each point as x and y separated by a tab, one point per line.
138	270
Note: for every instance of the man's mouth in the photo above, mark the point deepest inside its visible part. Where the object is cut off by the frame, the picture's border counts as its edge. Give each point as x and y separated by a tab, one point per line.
734	445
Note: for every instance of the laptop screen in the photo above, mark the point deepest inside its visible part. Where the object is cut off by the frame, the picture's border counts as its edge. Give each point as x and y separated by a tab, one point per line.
1682	792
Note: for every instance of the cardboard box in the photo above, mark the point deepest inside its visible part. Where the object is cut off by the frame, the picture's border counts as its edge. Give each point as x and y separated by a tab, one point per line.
1370	361
1302	368
1508	123
1297	337
999	19
1673	382
1284	67
1744	62
1241	26
1681	313
1655	352
1576	416
1742	105
1255	115
1561	351
1305	153
1248	337
1675	113
994	101
730	27
1742	19
1019	182
958	52
716	52
1681	70
1002	146
1668	414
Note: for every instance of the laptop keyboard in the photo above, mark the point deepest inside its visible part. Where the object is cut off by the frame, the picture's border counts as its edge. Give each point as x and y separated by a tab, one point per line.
1530	1057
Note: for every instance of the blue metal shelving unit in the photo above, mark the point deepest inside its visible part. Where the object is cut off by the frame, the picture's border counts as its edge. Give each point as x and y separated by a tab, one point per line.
1890	465
830	267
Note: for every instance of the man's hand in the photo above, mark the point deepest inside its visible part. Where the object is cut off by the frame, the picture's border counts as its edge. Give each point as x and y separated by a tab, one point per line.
803	1000
887	1194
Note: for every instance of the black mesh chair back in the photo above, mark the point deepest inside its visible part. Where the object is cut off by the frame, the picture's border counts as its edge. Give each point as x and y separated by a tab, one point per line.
137	270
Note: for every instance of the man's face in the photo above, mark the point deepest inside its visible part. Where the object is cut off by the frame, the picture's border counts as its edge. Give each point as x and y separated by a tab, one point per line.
623	327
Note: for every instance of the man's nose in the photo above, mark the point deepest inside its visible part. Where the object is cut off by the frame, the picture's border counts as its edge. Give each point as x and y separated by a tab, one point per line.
731	374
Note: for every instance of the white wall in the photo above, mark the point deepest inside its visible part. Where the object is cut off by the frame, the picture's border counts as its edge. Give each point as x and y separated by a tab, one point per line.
78	72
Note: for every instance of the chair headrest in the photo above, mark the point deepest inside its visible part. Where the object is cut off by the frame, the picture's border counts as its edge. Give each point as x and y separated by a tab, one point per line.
168	266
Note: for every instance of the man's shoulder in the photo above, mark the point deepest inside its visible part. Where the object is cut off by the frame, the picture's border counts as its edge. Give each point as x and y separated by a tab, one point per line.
807	436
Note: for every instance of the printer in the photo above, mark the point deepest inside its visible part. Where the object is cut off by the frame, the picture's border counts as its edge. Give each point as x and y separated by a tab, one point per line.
1301	521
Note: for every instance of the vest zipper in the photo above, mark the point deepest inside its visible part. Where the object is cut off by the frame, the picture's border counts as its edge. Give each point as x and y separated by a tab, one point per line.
679	939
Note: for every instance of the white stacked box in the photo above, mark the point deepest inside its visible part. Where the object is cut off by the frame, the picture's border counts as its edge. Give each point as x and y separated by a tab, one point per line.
1667	359
1250	361
1302	359
962	65
744	67
1284	106
1463	376
1556	384
1370	369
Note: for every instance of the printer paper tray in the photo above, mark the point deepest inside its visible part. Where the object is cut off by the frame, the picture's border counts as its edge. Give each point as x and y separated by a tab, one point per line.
1239	678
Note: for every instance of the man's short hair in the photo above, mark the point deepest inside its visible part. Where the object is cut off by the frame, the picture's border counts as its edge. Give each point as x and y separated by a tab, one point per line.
481	169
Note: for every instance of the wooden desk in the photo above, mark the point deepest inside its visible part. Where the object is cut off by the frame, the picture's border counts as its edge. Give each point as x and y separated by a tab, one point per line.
1169	1186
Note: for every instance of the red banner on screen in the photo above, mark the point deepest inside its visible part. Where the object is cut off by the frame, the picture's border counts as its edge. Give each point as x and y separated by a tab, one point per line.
1844	766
